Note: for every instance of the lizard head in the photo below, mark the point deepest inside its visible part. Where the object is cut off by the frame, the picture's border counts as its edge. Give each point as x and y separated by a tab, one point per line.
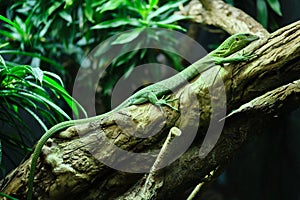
234	43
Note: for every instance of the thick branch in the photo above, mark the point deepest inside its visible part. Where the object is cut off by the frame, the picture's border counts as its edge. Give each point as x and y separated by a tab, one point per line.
262	111
219	14
278	63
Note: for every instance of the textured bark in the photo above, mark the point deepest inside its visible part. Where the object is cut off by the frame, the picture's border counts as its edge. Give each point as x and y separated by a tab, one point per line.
219	14
265	87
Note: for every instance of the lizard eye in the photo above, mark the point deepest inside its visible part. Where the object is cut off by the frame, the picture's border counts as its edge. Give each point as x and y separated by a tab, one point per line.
236	39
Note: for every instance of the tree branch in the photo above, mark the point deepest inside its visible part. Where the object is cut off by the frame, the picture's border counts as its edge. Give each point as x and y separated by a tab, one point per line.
219	14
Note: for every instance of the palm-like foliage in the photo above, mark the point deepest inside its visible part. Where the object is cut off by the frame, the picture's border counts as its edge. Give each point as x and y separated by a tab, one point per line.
27	91
49	34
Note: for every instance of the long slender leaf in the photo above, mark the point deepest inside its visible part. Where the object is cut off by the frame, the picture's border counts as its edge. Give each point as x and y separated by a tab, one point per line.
66	16
38	74
174	18
111	5
170	26
13	24
16	120
2	62
117	23
152	4
55	64
37	118
69	100
13	93
55	76
275	5
128	36
165	8
89	10
21	93
43	32
7	196
49	103
262	12
7	34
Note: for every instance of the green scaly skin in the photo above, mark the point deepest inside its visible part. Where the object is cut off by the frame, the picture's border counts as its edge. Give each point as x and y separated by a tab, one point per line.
219	56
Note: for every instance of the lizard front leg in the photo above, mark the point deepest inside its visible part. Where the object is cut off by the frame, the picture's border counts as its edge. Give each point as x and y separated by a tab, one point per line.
237	58
159	102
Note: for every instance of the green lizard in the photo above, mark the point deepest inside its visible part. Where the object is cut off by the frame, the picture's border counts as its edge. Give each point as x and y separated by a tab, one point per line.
219	56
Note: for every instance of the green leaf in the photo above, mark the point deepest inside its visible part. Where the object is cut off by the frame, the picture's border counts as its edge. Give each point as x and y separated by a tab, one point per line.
126	58
35	62
69	3
16	108
55	76
14	97
164	8
152	4
46	27
38	74
37	118
111	5
2	61
8	21
97	3
55	5
69	100
40	98
55	64
28	21
173	18
275	5
7	34
169	26
139	7
262	12
128	36
24	103
116	23
20	70
22	25
129	70
66	16
7	196
13	24
82	42
89	10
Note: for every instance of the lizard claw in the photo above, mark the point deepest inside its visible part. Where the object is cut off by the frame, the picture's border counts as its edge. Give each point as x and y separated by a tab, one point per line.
166	101
248	55
163	101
